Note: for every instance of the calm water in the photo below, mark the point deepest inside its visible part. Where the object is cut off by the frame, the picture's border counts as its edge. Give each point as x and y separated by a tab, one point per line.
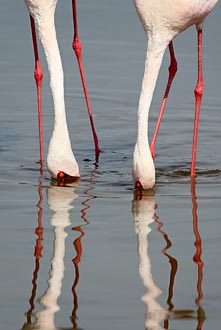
92	256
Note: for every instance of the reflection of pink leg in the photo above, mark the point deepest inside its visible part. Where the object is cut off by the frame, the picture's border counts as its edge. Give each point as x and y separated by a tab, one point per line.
172	71
197	256
38	74
77	47
76	261
38	255
198	96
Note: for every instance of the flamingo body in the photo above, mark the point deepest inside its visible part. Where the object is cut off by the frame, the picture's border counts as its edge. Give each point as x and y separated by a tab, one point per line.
162	21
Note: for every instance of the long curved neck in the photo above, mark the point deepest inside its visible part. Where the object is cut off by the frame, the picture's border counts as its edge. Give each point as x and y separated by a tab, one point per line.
47	35
152	66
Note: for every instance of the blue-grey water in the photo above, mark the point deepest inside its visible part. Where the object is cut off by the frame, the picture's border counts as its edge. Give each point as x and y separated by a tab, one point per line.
92	256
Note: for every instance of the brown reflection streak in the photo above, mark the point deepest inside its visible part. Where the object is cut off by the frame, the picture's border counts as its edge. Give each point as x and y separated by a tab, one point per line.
174	266
78	248
197	257
37	253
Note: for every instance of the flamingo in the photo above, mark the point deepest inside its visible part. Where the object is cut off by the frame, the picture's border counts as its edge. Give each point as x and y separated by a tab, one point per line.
61	161
162	21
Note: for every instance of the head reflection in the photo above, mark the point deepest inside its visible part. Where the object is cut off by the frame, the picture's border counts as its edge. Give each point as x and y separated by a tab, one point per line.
143	208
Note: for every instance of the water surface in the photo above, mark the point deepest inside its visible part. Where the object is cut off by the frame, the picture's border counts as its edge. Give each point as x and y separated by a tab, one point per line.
92	256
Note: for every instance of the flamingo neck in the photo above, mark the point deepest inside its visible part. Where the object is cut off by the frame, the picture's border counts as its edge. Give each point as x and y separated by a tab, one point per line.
152	66
47	35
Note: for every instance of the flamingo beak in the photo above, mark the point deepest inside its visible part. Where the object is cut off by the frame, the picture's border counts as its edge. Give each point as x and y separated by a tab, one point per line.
138	185
138	191
63	178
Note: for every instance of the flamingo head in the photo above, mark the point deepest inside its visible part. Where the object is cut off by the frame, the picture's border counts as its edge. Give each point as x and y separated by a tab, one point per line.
143	170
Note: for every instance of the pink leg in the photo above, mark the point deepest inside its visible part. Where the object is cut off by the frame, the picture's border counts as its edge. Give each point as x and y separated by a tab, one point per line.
77	47
172	71
38	74
198	96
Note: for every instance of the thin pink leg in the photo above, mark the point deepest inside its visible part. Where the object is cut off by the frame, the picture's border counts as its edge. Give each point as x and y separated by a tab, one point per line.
172	71
38	75
77	47
198	96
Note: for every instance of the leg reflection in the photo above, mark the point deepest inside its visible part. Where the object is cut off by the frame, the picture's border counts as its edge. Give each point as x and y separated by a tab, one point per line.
174	266
197	257
79	248
76	261
38	255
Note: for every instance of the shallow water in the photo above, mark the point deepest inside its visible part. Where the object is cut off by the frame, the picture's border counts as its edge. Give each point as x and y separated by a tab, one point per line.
93	255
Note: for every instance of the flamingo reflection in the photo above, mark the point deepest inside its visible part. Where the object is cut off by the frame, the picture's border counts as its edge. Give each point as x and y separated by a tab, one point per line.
143	211
144	214
60	201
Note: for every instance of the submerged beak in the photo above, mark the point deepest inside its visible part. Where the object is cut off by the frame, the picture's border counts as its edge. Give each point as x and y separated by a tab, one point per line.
63	178
138	185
